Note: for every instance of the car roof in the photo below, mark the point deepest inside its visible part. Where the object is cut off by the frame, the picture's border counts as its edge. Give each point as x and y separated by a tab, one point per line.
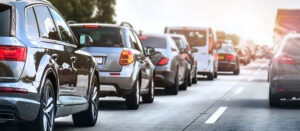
25	2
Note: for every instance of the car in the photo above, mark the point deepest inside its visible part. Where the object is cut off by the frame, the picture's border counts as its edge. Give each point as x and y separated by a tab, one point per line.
244	55
284	71
203	40
228	59
44	74
125	67
187	53
170	67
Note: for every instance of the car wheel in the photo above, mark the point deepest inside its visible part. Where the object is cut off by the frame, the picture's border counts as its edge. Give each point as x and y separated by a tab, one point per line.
45	119
237	71
173	90
210	76
184	85
149	97
189	83
90	116
215	74
195	80
133	99
274	100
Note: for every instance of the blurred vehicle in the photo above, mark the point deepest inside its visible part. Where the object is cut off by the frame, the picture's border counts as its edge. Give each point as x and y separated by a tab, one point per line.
259	53
187	54
228	59
125	67
287	21
43	71
170	67
203	41
284	71
244	55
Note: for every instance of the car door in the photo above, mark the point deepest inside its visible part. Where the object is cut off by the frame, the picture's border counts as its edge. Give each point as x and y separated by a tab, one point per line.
79	76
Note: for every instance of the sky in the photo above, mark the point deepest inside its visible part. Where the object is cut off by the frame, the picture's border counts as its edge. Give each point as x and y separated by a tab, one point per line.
250	19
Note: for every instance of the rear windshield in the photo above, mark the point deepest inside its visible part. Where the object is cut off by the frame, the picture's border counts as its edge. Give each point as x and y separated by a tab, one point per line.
194	37
226	49
155	42
102	36
5	12
292	46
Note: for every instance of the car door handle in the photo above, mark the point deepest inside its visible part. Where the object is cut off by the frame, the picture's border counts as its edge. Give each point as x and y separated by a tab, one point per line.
73	58
54	56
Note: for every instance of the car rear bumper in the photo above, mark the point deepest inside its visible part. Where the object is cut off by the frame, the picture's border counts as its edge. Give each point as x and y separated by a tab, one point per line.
18	107
227	66
164	78
286	86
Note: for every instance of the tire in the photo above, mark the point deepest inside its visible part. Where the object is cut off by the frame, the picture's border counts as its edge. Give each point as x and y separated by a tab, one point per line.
237	71
184	85
173	90
46	116
89	117
210	76
189	83
133	99
195	80
149	97
274	100
215	74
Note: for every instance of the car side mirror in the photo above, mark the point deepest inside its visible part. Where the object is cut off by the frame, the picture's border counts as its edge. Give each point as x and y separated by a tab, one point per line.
150	51
194	50
85	40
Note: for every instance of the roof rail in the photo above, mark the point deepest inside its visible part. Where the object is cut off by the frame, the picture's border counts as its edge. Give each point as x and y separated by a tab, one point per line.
127	24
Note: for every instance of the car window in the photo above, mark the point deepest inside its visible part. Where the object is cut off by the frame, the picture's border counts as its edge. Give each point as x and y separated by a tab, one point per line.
5	12
139	44
155	42
173	45
65	32
179	43
292	46
226	49
45	22
31	24
102	36
134	41
194	37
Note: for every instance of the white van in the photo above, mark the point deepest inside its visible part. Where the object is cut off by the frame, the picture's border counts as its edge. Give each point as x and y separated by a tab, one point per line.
204	44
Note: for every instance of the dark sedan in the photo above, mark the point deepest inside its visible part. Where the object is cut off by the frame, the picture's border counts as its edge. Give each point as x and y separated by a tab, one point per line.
228	59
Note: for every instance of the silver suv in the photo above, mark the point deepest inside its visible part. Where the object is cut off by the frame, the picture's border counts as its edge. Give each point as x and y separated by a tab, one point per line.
125	67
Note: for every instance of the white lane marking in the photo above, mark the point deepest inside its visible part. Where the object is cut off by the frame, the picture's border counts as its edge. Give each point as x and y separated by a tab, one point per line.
212	119
239	90
250	79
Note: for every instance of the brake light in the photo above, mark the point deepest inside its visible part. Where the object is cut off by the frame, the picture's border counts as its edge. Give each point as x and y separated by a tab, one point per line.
12	53
230	57
126	58
283	59
163	61
13	90
91	26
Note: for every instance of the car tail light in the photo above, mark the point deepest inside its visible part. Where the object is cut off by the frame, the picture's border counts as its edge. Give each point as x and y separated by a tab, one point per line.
283	59
230	57
13	90
12	53
126	58
163	61
91	26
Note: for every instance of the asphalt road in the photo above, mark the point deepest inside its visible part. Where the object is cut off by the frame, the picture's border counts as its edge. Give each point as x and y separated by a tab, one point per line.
227	103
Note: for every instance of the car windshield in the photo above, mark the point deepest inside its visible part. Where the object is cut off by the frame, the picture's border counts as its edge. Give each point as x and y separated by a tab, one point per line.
5	17
292	46
226	49
102	36
179	42
155	42
194	37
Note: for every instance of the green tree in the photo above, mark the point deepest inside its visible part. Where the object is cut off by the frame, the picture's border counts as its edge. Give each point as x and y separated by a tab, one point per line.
234	38
87	10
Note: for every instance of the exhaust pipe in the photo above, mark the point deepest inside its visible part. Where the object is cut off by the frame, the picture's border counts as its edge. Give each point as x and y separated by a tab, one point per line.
4	117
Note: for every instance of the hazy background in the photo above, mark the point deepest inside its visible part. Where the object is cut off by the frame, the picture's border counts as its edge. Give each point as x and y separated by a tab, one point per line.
250	19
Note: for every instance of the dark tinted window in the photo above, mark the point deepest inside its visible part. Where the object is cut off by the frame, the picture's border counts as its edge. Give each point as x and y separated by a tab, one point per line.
155	42
45	22
4	20
226	49
292	46
102	36
194	37
65	32
31	24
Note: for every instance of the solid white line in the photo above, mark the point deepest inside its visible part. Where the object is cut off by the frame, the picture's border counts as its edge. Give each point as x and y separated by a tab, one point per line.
239	90
212	119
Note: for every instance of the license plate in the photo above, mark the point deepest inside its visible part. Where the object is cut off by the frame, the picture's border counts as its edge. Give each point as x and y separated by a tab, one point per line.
99	60
221	57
